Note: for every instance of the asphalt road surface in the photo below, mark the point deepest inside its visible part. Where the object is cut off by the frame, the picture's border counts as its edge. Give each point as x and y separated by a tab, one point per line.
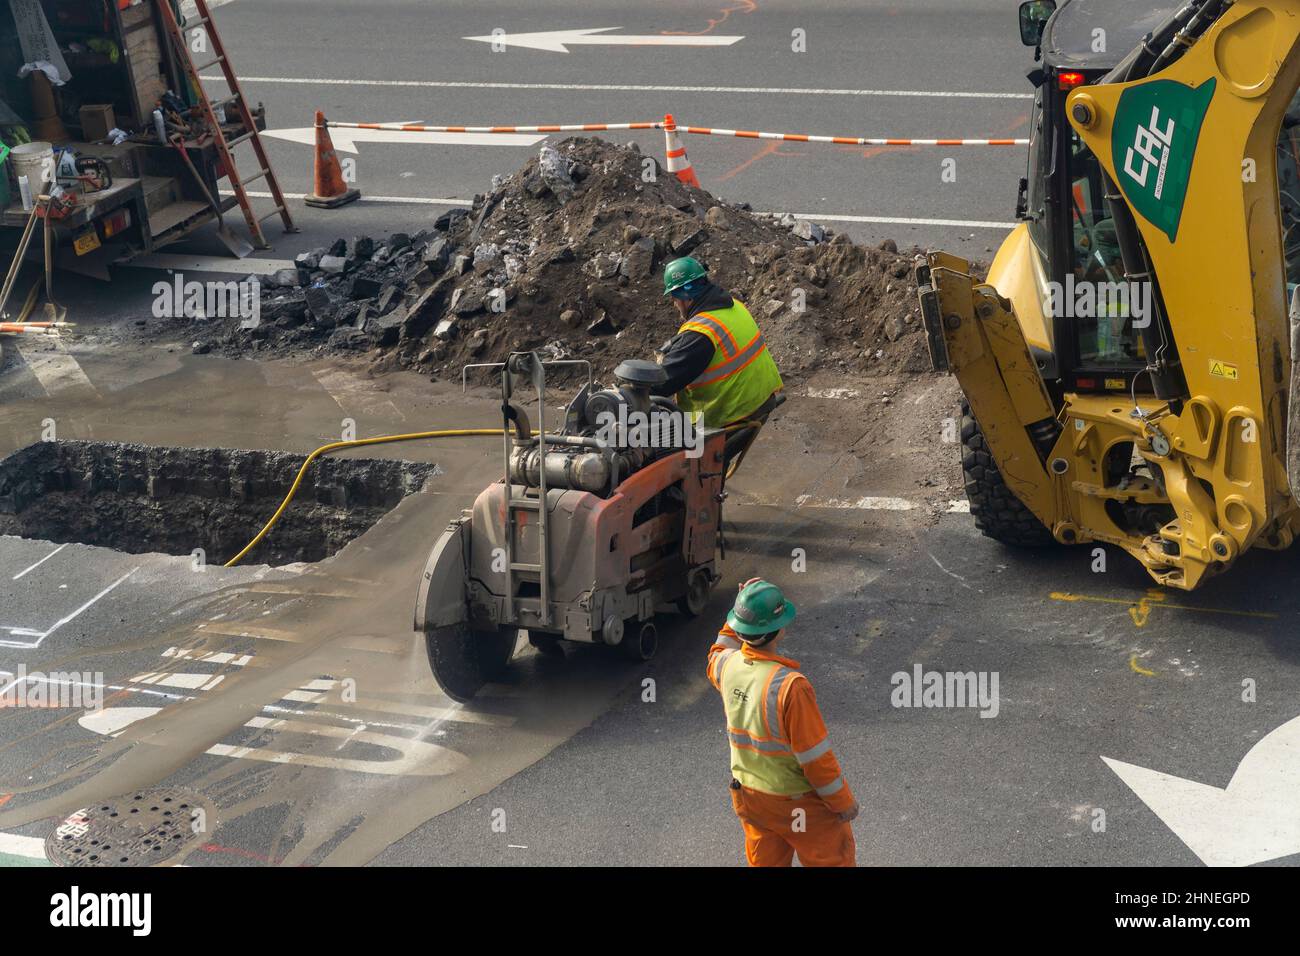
1131	726
928	69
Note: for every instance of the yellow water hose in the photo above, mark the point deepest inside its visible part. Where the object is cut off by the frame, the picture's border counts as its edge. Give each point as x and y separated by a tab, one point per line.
358	443
383	439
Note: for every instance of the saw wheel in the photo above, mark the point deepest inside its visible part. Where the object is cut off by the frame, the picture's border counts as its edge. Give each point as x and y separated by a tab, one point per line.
464	659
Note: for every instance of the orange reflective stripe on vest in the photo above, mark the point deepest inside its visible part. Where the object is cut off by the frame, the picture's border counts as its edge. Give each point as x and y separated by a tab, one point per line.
740	377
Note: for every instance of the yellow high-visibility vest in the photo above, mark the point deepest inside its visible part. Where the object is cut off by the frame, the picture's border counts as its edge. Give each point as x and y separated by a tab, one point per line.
761	757
742	374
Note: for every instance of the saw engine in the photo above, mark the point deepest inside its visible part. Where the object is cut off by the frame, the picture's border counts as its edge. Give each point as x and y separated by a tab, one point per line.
590	532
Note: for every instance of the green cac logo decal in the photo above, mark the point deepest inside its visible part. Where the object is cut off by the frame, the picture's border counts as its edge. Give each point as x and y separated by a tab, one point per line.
1153	143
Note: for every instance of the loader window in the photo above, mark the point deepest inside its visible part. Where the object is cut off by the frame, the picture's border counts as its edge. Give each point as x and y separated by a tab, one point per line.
1038	171
1288	186
1101	298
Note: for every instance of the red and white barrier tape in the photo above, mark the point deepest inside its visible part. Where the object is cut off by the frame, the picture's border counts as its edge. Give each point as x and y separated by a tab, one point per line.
849	140
414	128
699	130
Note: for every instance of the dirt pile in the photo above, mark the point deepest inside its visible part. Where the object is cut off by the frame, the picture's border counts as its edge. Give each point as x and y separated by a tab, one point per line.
567	256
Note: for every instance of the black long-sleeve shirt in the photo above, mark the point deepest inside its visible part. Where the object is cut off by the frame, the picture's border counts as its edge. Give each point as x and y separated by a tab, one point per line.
687	354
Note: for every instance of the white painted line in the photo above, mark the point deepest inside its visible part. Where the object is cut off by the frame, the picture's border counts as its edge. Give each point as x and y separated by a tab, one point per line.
56	370
41	636
345	140
559	41
180	680
862	504
41	679
906	221
452	712
32	848
813	216
27	571
180	263
419	758
629	88
303	697
212	657
403	200
869	503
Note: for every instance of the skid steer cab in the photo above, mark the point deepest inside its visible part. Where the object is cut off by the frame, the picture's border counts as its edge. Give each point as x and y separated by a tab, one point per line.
1127	363
592	529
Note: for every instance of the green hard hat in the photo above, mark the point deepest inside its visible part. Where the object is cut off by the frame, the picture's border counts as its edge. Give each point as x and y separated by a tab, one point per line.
679	272
760	609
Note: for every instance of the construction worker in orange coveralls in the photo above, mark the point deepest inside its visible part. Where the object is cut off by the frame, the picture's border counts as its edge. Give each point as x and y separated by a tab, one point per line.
787	787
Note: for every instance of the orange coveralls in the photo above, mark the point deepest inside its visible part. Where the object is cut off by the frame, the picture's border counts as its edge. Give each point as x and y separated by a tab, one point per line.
772	837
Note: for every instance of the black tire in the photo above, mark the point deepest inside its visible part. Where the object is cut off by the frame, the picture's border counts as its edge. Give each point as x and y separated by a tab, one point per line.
998	513
640	642
698	585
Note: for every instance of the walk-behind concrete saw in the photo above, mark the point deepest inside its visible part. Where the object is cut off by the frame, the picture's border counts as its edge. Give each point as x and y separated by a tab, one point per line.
591	530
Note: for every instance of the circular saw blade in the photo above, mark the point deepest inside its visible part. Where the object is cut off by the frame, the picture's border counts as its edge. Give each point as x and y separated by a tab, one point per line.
463	660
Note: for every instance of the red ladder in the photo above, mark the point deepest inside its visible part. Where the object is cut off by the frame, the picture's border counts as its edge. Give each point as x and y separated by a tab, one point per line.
250	135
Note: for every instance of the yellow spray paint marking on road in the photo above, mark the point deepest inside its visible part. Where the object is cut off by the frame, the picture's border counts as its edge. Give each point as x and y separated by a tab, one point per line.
1138	668
1140	609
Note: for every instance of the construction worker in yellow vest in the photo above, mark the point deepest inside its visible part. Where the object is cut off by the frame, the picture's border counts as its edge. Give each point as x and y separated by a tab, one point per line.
718	365
787	787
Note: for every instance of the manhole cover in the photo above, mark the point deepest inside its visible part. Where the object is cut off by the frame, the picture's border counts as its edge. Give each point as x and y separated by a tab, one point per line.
140	829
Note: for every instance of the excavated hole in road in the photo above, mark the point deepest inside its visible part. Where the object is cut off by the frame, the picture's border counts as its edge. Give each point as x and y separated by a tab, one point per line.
150	498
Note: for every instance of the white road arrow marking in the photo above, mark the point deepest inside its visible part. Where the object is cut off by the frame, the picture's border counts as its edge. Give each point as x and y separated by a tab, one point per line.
1254	819
559	41
345	140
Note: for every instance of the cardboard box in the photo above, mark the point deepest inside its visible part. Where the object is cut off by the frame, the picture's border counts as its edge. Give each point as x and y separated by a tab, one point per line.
97	120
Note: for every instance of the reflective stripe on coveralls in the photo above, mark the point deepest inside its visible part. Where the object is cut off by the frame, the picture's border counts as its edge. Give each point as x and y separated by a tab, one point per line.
771	839
798	720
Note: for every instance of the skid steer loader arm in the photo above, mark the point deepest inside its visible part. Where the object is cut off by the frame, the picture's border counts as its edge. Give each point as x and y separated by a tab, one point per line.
972	332
1185	130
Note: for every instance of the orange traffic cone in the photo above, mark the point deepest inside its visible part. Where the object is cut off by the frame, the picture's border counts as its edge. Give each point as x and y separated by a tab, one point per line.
679	164
330	189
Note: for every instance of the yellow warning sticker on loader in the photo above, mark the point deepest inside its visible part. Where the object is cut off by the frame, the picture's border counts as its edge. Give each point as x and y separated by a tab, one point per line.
1223	370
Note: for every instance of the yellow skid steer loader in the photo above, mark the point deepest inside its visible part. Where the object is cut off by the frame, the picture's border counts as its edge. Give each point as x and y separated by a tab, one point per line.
1127	365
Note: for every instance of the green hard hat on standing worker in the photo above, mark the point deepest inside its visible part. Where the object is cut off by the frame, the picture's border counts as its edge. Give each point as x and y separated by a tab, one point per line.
761	608
682	272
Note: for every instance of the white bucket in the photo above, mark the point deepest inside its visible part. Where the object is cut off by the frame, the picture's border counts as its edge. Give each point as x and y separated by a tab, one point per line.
36	162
